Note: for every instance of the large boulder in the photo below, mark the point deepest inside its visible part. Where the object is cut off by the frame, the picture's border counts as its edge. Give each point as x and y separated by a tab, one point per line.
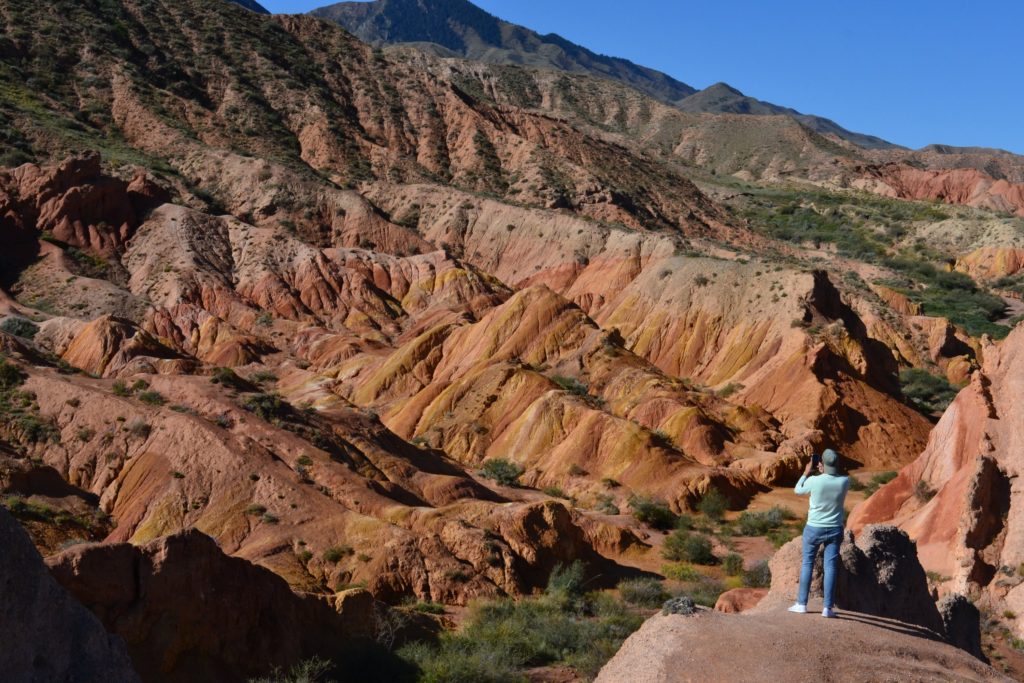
45	634
189	612
772	646
879	575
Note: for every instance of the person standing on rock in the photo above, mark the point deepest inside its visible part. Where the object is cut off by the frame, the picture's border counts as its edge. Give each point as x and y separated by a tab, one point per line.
824	525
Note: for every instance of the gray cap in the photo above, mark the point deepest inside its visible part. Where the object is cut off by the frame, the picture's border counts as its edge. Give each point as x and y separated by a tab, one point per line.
830	459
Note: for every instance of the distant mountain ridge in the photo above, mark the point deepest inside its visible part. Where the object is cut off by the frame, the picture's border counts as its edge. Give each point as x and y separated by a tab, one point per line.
252	5
470	32
465	30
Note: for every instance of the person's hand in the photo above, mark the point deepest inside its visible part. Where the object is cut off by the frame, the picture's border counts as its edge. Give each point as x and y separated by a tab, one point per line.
809	467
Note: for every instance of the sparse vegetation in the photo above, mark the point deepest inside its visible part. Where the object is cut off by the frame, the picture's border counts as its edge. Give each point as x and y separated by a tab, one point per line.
504	472
759	575
268	407
761	523
153	398
19	327
336	553
713	504
500	639
873	484
923	492
649	593
139	429
428	607
654	513
928	393
732	564
554	492
606	505
689	547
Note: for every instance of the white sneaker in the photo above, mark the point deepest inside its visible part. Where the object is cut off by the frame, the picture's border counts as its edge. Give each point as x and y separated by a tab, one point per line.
798	609
828	613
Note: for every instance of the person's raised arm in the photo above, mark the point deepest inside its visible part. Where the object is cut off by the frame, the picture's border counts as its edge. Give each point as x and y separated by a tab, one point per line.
801	486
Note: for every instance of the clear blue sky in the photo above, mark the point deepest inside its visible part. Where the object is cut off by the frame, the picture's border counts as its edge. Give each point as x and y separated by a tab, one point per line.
911	71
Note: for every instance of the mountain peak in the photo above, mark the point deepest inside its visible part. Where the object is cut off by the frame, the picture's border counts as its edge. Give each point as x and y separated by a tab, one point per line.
252	5
470	32
722	88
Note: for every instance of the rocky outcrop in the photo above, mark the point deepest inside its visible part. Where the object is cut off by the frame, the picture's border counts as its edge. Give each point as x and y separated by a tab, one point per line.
189	612
47	634
959	500
879	575
991	262
79	205
953	186
739	600
766	647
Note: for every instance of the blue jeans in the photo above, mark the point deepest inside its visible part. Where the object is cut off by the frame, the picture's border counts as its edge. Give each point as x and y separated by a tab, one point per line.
814	536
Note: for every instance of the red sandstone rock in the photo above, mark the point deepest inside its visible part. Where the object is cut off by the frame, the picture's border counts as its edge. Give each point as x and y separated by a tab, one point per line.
189	612
739	600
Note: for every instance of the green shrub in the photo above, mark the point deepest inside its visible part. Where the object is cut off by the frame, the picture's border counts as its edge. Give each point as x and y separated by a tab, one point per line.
504	472
643	592
501	639
19	327
554	492
255	509
121	389
268	407
783	535
713	504
654	513
606	504
688	547
313	670
928	393
685	522
334	554
139	429
760	523
681	572
567	580
153	398
262	376
706	591
732	564
877	481
228	378
758	575
729	389
429	608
